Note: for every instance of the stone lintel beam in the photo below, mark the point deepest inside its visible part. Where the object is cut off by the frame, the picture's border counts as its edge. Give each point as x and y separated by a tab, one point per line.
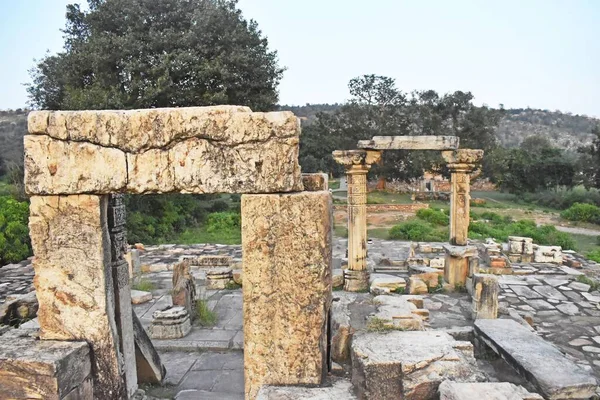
463	159
355	159
410	143
224	149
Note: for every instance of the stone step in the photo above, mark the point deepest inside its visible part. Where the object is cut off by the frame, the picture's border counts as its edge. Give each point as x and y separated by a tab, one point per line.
339	390
485	390
409	365
554	375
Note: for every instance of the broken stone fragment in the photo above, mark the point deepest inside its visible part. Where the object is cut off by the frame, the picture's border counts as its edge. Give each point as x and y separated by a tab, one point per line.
395	312
416	286
386	283
140	297
218	278
315	182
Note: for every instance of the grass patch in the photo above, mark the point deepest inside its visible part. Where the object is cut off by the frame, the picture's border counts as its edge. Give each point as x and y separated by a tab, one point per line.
594	285
399	290
231	285
340	231
382	197
594	255
202	235
334	184
379	325
204	316
144	285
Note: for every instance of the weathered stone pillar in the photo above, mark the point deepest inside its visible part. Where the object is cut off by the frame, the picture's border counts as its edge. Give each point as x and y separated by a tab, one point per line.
461	163
357	163
286	245
74	282
485	296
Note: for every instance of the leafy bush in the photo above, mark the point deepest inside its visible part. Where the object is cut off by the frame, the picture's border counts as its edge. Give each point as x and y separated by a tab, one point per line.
583	213
436	217
501	228
14	233
563	199
219	206
594	255
223	222
417	230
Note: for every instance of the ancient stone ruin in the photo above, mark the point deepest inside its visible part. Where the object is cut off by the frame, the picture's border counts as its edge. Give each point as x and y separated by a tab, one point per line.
408	321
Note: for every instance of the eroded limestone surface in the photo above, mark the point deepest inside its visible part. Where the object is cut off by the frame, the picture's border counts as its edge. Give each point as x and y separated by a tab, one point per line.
188	150
339	390
287	288
409	365
485	390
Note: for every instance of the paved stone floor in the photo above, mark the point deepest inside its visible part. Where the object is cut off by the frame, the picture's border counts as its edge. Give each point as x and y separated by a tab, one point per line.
208	363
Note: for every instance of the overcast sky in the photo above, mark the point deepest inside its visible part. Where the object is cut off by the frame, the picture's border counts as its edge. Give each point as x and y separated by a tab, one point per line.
537	53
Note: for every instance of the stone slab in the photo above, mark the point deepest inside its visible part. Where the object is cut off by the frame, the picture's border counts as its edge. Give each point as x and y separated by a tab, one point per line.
410	143
148	365
485	391
408	365
189	150
287	253
140	297
42	369
556	376
341	389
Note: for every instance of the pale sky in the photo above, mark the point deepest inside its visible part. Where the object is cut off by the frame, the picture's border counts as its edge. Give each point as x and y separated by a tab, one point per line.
537	53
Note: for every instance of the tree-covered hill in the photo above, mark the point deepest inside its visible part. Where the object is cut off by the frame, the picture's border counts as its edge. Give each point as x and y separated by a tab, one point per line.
13	126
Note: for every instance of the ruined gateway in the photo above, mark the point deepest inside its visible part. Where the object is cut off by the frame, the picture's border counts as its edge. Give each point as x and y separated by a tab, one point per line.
295	336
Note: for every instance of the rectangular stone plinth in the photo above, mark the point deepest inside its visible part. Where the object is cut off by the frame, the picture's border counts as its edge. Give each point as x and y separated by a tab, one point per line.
485	293
74	283
44	369
457	265
286	244
189	150
410	143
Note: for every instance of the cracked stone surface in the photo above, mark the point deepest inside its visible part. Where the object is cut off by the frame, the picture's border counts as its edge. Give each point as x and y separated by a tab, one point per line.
223	149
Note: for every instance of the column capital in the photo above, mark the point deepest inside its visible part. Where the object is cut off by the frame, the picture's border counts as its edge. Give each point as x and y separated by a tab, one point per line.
462	159
357	160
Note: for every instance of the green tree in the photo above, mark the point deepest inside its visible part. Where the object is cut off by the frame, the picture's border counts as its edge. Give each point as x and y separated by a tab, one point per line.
590	165
126	54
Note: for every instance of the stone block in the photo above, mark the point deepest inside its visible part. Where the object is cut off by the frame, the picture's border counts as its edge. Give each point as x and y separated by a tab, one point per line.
541	363
389	282
218	278
431	276
74	283
437	262
409	365
485	390
286	244
547	254
140	297
43	369
170	323
184	289
338	278
162	150
396	312
149	368
340	389
208	261
315	182
416	286
485	296
410	143
458	264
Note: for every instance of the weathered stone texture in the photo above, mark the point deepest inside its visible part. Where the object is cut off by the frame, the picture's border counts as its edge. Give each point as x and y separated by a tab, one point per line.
409	365
194	150
485	391
147	361
43	369
73	280
485	296
287	288
315	182
339	390
410	143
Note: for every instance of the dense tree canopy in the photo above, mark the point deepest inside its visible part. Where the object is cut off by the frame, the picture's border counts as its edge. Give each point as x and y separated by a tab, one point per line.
378	108
590	161
125	54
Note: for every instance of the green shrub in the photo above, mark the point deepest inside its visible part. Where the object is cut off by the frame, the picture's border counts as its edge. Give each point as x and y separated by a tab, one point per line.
144	285
583	213
219	206
563	199
436	217
417	230
594	255
204	315
223	222
14	232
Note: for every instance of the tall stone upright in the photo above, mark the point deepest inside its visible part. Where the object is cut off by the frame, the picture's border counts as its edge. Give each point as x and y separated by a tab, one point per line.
461	163
74	282
357	164
286	245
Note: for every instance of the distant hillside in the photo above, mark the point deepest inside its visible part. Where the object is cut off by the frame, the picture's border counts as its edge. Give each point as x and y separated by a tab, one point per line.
564	130
13	126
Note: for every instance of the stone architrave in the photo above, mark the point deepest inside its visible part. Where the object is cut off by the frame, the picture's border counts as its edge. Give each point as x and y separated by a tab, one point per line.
286	245
74	283
224	149
461	163
357	164
410	143
485	296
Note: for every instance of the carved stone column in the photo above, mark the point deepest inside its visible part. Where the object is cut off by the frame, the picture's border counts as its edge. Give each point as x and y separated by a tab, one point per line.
461	163
357	164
